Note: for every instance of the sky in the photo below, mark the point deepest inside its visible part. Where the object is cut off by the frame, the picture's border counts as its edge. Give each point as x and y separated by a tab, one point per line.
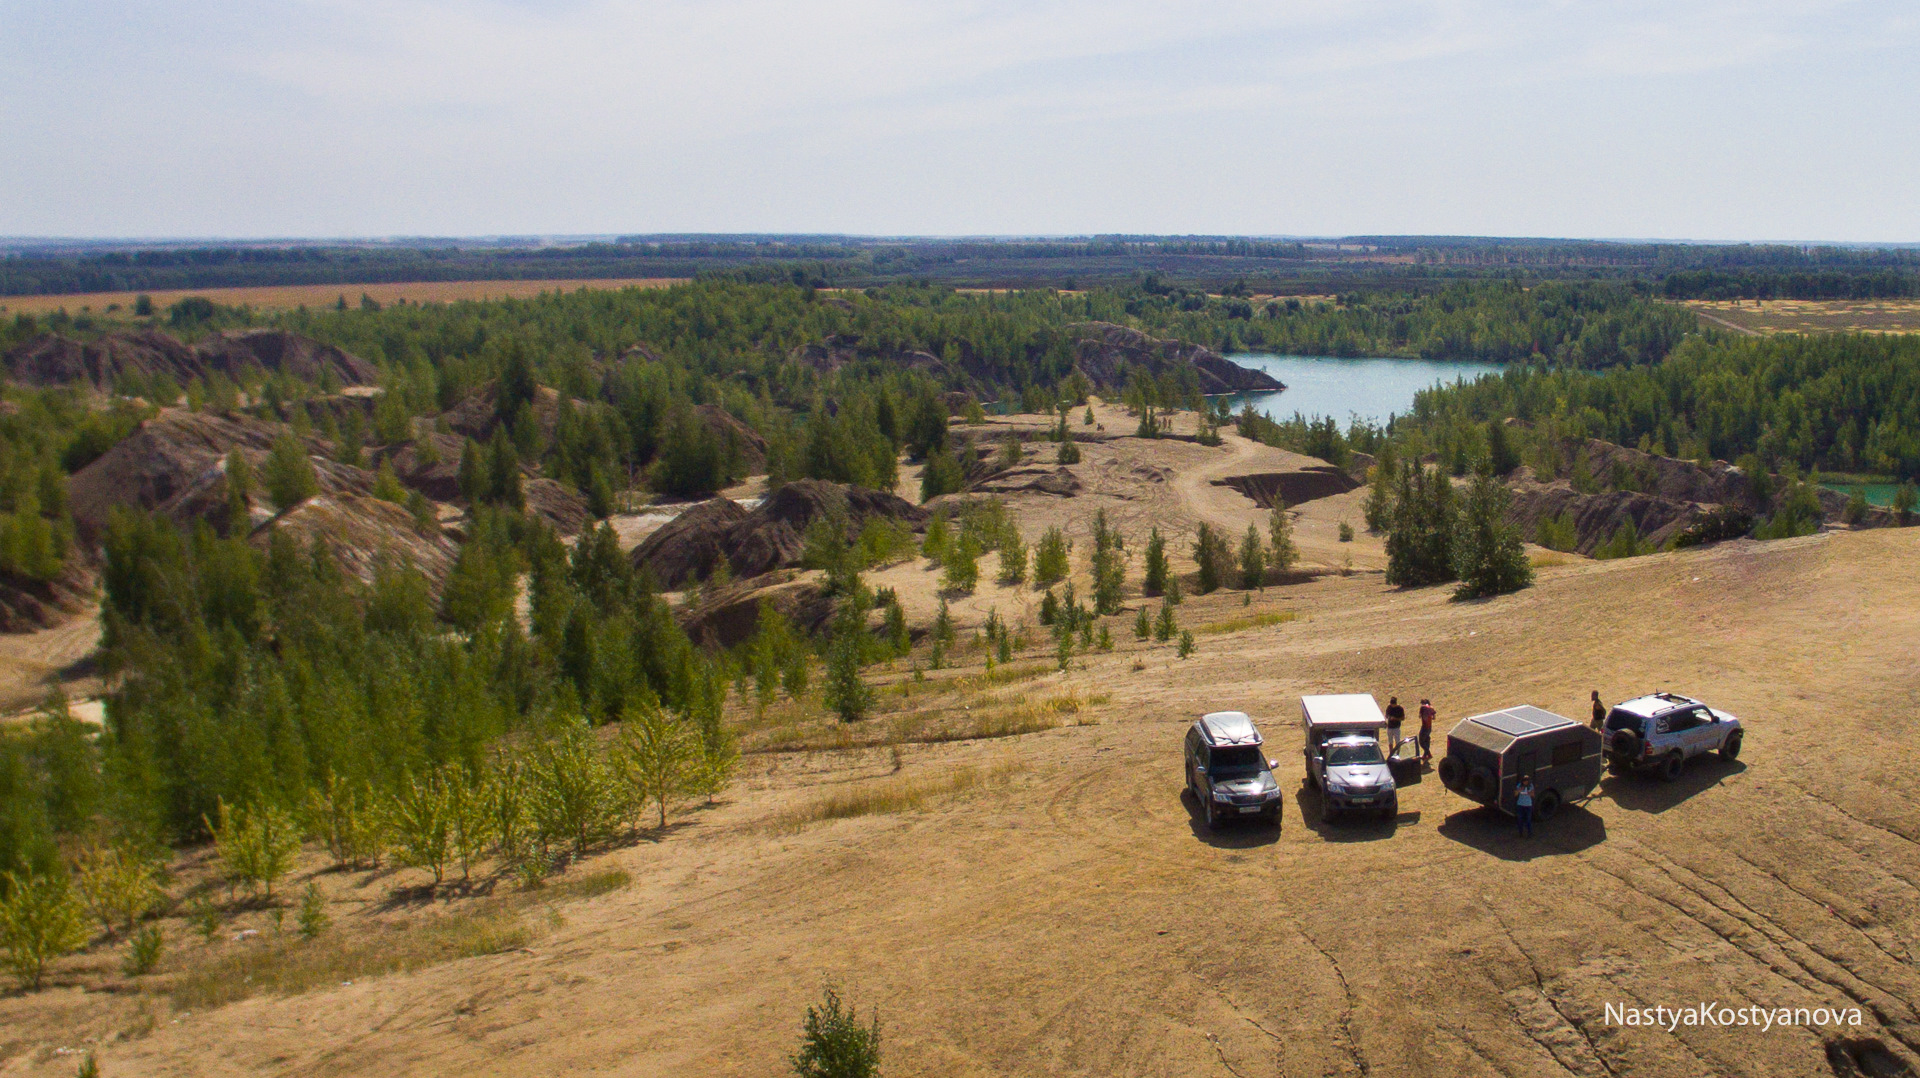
1677	119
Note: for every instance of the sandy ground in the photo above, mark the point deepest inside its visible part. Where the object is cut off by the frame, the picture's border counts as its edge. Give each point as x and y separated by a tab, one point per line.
280	297
1075	918
31	664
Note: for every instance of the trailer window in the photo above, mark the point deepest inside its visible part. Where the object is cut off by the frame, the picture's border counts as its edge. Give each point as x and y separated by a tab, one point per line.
1568	753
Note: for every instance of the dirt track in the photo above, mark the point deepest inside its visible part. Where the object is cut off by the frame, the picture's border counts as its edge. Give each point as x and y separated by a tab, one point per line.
1076	919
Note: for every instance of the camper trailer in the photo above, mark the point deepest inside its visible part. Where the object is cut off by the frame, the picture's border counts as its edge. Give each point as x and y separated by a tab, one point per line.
1487	754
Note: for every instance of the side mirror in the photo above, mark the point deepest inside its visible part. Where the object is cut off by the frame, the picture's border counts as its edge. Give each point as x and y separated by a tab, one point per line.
1271	764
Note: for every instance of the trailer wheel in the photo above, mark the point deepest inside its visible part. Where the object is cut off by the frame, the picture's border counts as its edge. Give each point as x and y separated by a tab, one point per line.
1480	784
1546	805
1451	772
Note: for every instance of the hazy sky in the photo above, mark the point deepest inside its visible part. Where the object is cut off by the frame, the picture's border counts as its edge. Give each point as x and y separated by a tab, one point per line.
1617	118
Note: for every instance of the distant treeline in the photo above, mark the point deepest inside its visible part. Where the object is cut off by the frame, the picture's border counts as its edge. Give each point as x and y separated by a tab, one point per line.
1723	284
1839	403
1208	262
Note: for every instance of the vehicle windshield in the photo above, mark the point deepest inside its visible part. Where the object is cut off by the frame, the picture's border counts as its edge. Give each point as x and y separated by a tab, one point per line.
1341	755
1237	762
1619	719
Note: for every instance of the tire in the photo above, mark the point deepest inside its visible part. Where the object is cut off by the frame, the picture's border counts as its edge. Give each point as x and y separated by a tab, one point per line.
1625	744
1213	815
1327	812
1481	785
1672	766
1546	805
1730	748
1452	772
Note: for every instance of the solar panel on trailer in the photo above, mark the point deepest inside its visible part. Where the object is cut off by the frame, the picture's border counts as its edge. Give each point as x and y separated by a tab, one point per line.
1522	720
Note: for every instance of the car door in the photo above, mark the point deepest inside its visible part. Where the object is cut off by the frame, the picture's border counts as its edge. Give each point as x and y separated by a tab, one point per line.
1706	733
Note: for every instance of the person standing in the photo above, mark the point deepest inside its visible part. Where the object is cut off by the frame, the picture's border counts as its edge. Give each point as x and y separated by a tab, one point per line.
1599	711
1396	715
1523	805
1427	715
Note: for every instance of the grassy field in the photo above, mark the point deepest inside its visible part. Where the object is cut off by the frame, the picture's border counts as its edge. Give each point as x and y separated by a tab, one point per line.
284	297
1811	316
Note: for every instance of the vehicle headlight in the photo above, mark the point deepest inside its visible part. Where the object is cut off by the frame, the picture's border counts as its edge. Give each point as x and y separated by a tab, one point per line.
1222	795
1336	787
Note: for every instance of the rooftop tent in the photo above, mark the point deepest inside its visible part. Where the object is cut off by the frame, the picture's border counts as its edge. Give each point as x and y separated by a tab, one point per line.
1496	730
1229	728
1343	711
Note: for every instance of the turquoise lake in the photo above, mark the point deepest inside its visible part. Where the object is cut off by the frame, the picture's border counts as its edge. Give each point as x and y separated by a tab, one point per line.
1342	388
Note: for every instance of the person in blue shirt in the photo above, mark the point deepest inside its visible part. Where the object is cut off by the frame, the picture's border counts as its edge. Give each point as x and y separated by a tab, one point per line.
1523	805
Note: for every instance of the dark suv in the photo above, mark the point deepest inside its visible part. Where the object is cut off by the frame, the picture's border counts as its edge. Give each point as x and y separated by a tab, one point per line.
1662	731
1228	772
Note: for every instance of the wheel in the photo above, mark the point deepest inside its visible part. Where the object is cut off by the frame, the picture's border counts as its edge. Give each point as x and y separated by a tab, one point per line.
1391	810
1452	771
1213	815
1546	805
1730	748
1671	767
1327	811
1625	744
1481	784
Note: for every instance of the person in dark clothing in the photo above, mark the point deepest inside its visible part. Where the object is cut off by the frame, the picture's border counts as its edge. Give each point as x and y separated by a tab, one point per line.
1395	716
1427	715
1523	805
1599	711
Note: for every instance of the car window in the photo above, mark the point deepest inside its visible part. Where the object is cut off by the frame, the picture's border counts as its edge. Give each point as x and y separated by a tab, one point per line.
1339	755
1237	760
1619	719
1682	721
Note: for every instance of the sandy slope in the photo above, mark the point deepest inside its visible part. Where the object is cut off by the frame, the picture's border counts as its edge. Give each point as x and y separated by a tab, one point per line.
1074	918
1077	921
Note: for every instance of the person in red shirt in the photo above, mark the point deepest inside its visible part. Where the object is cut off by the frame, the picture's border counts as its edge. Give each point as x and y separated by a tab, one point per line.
1427	715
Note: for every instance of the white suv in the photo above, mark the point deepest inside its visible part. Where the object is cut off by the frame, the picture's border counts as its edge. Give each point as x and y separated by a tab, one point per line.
1660	732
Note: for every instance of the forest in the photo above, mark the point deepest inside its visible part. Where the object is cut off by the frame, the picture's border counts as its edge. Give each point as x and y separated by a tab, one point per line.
1845	403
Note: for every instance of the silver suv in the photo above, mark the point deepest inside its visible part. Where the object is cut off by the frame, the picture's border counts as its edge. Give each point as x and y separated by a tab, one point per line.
1228	772
1660	732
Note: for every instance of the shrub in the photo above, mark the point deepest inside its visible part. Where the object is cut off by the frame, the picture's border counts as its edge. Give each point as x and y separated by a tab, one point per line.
256	845
1904	500
39	922
1164	627
1726	522
1346	532
1013	558
1253	560
658	757
942	475
1213	557
313	917
1281	553
1109	566
143	951
422	831
1856	508
846	692
1624	543
116	885
1155	580
289	475
1142	624
1557	532
1186	643
1488	556
1050	558
938	540
963	565
833	1043
1069	451
571	792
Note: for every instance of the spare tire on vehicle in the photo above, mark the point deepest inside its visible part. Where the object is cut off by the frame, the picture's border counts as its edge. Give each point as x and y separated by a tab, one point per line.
1626	744
1452	771
1481	785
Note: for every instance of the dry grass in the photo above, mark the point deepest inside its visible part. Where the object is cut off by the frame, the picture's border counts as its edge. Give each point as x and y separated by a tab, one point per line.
1812	316
288	965
1252	621
894	795
1547	559
286	297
